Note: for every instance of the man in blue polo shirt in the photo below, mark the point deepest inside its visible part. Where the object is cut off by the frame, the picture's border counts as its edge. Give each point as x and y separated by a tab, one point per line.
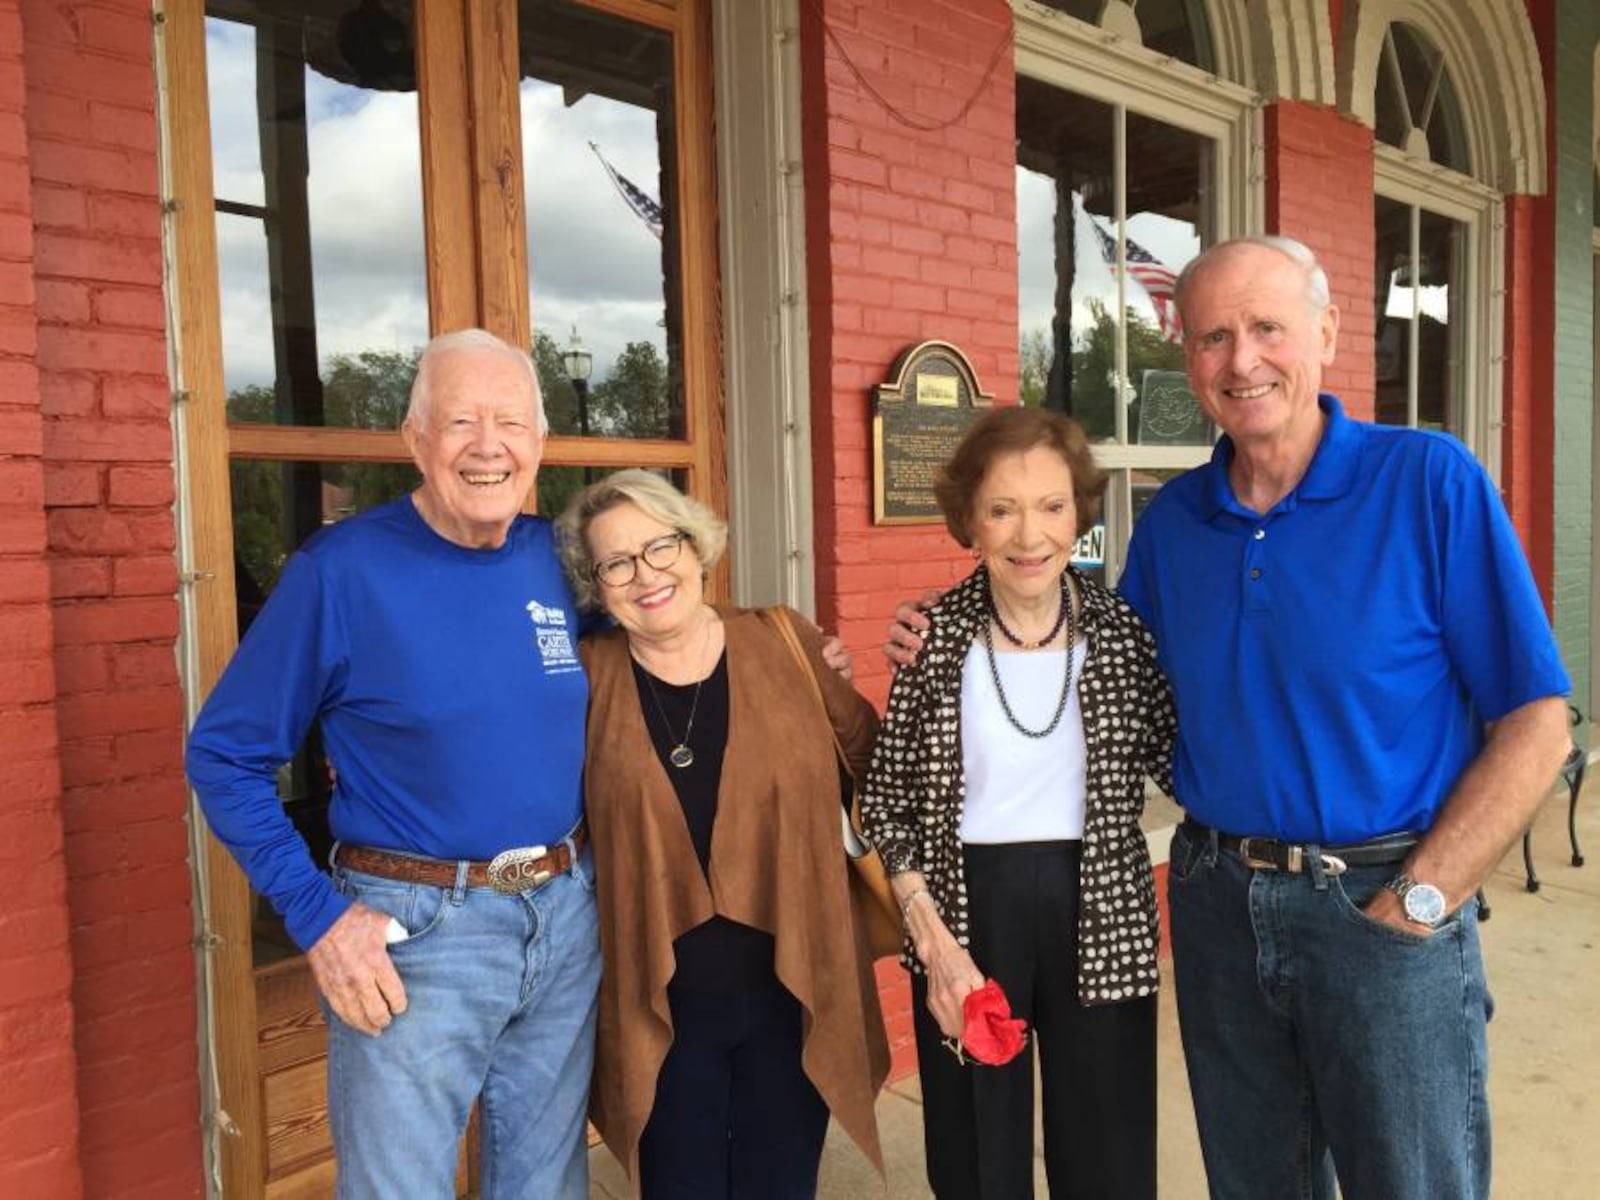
433	640
1369	711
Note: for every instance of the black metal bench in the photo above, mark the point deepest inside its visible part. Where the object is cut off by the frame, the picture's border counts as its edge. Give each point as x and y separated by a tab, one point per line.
1572	773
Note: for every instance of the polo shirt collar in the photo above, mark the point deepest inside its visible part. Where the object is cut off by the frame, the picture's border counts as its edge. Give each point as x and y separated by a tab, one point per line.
1331	474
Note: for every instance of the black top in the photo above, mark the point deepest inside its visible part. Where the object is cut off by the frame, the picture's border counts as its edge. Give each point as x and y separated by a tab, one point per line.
719	954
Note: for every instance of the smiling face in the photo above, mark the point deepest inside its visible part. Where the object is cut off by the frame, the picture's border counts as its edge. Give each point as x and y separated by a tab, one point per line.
656	604
1255	345
477	446
1024	524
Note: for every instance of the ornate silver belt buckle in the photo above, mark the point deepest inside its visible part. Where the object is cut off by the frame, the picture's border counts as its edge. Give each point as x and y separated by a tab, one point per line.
515	871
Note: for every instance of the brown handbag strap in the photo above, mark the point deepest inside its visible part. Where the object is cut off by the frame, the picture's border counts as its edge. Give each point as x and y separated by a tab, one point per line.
779	617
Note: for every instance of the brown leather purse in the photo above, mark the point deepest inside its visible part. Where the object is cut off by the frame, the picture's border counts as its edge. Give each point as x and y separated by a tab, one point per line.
877	915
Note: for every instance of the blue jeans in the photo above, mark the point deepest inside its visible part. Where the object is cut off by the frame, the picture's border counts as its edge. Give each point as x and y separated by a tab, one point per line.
1318	1040
501	1004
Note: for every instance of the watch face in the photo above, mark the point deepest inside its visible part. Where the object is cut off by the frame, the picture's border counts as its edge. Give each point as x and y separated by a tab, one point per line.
1424	904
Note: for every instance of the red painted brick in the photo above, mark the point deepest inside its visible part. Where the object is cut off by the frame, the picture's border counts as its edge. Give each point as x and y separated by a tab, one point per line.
143	309
92	76
57	208
141	486
143	664
77	578
107	804
70	485
101	256
130	847
121	936
63	303
116	620
139	397
82	668
31	681
155	575
136	216
24	581
141	353
67	394
129	128
106	441
111	168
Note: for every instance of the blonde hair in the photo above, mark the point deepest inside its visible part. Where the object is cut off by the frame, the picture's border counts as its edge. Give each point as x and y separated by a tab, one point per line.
650	494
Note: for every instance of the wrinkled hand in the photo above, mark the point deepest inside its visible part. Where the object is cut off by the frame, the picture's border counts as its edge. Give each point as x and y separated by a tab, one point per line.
837	655
1387	909
352	968
952	977
907	628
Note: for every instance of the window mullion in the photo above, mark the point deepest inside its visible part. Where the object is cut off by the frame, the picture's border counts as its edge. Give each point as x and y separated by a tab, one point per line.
1119	174
1413	343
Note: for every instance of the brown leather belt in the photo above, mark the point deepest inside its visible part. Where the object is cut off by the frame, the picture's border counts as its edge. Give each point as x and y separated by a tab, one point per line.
1269	854
511	872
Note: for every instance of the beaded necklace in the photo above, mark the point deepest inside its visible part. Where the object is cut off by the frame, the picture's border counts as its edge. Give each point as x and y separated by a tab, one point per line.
1066	682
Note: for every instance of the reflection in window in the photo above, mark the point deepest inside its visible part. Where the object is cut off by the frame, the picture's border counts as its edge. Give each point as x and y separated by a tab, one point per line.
1100	335
276	507
317	177
1417	109
1420	343
599	160
1176	28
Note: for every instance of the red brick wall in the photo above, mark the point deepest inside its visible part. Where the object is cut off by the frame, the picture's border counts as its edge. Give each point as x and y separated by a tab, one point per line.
1529	374
107	503
38	1088
1319	190
910	235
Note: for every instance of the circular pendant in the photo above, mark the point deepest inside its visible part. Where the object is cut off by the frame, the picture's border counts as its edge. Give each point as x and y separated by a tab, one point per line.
681	756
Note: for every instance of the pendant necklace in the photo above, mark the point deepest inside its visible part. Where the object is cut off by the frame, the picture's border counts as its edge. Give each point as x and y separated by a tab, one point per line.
1066	683
680	755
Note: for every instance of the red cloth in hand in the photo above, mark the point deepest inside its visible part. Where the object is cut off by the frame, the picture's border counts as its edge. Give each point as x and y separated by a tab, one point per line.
992	1035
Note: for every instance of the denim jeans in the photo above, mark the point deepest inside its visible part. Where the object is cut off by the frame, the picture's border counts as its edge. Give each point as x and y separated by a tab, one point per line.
500	993
1320	1041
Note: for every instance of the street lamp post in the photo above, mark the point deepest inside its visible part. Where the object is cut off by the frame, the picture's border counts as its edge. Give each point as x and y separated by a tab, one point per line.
578	363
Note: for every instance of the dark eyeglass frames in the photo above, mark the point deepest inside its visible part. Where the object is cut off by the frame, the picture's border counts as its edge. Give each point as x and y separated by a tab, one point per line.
619	570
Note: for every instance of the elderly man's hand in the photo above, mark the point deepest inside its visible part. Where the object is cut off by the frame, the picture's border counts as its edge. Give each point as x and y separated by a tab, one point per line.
907	628
352	968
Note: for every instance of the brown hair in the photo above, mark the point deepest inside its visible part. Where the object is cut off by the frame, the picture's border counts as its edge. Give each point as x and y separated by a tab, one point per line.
1016	430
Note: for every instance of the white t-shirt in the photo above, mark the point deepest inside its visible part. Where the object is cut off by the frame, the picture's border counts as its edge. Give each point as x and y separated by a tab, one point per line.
1021	789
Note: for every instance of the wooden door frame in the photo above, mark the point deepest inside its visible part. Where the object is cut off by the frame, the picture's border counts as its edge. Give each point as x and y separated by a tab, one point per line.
473	215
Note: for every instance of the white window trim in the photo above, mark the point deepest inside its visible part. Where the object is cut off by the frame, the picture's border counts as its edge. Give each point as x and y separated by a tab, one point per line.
1449	194
761	198
1075	57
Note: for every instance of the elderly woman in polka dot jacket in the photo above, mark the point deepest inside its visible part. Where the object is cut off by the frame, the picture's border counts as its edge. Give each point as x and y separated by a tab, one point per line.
1004	796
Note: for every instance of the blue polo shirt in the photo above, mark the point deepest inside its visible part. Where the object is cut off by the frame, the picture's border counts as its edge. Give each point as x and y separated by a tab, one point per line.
1335	659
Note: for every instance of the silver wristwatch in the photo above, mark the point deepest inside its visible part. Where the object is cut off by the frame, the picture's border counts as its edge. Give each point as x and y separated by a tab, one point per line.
1423	903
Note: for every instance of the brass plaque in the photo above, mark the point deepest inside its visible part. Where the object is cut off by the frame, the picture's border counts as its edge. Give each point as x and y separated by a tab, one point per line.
918	418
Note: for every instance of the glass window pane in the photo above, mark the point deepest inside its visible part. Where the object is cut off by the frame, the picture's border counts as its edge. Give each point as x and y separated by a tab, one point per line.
318	190
1392	275
1440	340
599	162
558	485
276	507
1066	290
1169	170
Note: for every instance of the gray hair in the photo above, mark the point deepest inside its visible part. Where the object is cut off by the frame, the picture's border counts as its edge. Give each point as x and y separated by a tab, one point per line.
652	495
420	407
1317	290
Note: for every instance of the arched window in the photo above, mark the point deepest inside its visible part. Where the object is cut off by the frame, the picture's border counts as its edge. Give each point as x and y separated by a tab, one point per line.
1425	238
1128	164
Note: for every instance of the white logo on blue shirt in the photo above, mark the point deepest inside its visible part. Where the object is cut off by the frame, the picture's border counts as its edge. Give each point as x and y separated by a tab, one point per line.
556	650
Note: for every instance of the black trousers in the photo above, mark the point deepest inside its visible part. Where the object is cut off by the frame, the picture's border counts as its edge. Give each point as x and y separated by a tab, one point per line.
735	1117
1097	1063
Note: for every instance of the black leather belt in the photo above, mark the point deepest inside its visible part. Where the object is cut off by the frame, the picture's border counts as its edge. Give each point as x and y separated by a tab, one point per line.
1269	854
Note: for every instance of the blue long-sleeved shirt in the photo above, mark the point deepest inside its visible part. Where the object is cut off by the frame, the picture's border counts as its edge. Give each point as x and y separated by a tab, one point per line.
447	686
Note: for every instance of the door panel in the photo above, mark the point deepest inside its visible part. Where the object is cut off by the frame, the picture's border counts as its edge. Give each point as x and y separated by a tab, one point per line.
350	177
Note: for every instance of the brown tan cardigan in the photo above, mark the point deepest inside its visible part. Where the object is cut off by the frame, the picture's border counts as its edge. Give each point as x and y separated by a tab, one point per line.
777	863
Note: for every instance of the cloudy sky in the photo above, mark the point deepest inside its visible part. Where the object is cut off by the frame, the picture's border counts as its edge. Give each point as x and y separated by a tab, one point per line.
594	263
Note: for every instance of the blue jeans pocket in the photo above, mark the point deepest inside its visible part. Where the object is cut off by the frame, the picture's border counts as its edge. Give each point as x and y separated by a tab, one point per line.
420	909
1185	856
1353	897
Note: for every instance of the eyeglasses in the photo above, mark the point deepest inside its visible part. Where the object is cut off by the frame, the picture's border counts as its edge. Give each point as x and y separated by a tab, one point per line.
619	570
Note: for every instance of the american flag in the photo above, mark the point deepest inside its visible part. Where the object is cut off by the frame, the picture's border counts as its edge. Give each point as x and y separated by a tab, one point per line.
1156	279
636	198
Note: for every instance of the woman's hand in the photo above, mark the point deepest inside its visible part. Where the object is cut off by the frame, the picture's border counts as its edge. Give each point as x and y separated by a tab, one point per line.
952	975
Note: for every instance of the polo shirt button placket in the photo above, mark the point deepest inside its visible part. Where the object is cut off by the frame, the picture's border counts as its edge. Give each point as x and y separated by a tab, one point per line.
1255	599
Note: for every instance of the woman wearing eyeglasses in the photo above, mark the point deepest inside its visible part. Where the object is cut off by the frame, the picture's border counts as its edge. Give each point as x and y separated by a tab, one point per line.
736	1009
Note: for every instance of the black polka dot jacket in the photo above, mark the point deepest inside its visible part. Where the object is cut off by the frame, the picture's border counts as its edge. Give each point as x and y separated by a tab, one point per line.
912	800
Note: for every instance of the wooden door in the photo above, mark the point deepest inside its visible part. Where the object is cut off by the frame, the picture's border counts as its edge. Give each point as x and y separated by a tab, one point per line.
348	178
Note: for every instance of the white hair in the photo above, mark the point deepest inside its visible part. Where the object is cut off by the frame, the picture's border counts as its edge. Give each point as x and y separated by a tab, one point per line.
1317	290
476	340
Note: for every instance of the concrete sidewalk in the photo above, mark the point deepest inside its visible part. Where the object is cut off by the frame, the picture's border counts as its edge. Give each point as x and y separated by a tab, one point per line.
1544	971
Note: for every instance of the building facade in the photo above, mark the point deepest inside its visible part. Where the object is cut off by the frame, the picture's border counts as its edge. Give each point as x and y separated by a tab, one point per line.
227	227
